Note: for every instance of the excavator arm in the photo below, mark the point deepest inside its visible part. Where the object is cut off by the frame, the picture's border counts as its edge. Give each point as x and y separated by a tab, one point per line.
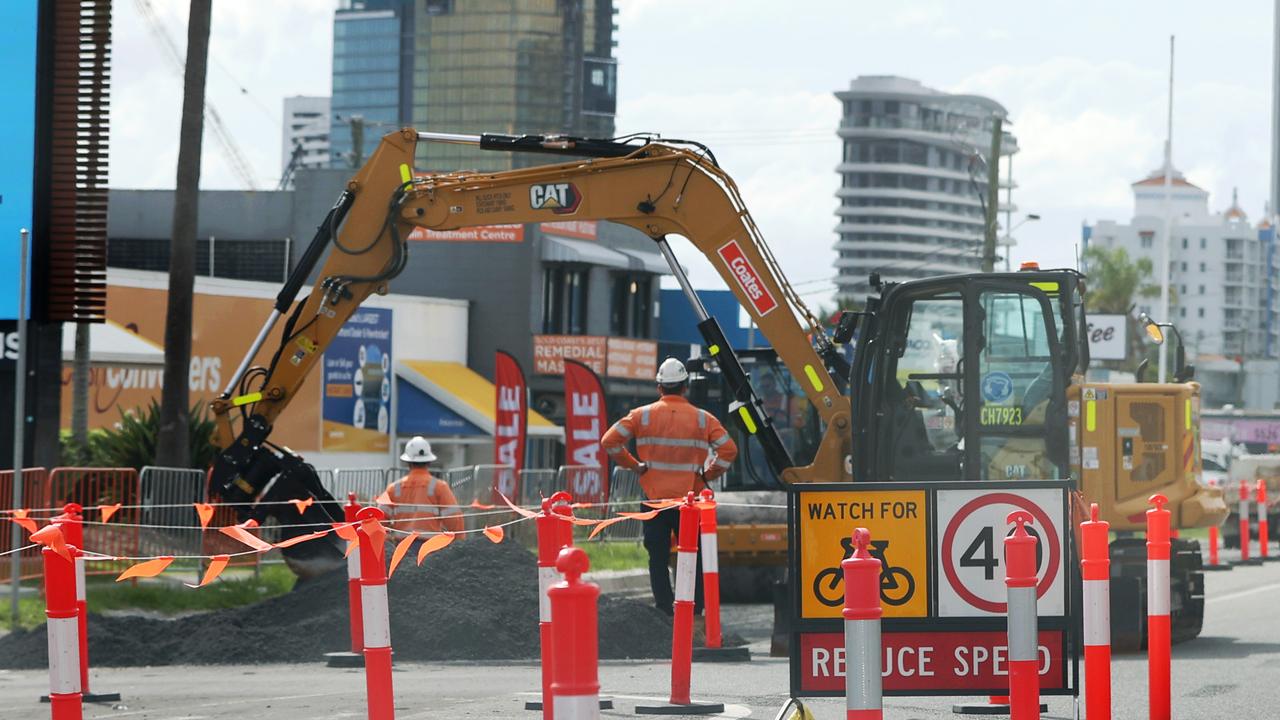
659	188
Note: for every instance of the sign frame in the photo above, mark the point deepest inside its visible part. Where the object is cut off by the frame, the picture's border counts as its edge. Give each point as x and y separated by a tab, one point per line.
1068	624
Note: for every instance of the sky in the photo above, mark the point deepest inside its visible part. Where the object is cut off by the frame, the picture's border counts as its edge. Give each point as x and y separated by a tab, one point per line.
1085	83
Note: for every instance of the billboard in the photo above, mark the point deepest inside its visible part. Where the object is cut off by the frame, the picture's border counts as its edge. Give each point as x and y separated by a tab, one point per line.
356	407
18	22
614	357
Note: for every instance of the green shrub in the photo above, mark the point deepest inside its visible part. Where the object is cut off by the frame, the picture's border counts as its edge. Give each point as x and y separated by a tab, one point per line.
132	441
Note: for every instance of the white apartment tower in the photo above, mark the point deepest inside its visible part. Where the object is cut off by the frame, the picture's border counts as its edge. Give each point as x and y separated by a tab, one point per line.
306	127
913	182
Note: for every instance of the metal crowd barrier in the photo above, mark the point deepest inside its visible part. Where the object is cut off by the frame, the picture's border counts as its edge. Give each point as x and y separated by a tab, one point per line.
91	487
536	484
177	530
35	486
624	495
366	483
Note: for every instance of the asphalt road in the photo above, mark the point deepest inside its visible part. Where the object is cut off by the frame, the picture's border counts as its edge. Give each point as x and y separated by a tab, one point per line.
1231	671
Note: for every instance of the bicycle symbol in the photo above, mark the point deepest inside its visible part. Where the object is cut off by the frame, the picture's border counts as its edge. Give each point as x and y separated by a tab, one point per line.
896	584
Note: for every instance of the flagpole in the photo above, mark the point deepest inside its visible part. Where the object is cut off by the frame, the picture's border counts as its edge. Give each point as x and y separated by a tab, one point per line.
1168	221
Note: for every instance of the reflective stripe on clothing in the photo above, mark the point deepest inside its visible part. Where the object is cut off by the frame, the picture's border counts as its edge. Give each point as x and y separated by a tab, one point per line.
425	500
677	467
673	438
644	416
623	431
672	442
719	442
721	463
702	419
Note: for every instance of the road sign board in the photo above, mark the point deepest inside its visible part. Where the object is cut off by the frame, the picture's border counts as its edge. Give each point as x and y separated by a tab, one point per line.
922	663
942	589
896	519
972	526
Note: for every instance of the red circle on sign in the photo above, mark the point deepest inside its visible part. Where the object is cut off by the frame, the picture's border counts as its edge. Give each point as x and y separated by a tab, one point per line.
948	539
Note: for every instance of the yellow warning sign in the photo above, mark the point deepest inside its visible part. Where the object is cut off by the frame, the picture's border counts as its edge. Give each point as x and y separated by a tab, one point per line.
896	519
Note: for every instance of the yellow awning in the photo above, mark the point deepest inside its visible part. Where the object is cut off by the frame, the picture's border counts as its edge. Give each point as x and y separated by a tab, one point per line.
465	392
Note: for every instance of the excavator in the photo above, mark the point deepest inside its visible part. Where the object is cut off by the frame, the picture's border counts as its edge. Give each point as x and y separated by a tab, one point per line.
1010	404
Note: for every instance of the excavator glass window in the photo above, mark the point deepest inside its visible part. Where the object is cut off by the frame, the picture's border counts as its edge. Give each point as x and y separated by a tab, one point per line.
1016	382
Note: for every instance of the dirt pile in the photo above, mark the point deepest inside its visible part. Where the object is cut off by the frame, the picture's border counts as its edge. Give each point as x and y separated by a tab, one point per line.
472	601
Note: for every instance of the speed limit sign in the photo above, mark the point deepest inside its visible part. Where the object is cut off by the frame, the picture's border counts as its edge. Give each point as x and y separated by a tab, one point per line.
971	549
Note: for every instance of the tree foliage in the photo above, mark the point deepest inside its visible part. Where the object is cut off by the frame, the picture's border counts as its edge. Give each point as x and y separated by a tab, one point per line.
1116	281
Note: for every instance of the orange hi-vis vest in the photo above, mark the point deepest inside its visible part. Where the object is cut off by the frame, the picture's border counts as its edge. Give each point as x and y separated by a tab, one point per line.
677	440
423	503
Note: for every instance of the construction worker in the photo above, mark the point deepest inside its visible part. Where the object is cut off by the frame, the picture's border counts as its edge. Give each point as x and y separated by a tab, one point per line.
681	448
423	503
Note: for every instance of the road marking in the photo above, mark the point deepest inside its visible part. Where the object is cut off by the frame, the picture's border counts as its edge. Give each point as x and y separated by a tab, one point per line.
224	703
1242	593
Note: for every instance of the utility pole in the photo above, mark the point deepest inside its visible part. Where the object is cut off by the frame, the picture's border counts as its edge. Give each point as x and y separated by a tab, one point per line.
993	196
1166	240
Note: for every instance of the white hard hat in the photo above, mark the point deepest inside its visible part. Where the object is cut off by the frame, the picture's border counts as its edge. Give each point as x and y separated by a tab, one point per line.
672	372
418	450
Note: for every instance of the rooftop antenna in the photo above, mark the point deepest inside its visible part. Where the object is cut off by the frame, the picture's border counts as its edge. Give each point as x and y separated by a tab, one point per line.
1168	220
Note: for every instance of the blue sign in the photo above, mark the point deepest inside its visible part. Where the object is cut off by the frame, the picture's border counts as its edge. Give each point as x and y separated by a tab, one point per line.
997	387
18	130
357	384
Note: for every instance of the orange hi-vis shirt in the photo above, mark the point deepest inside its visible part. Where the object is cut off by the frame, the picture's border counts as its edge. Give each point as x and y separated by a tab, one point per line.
415	494
677	440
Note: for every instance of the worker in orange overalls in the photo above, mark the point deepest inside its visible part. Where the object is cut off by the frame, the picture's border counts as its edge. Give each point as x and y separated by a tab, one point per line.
681	448
422	503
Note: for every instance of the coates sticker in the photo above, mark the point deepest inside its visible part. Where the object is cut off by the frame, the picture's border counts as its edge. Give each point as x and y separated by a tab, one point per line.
747	277
997	387
559	198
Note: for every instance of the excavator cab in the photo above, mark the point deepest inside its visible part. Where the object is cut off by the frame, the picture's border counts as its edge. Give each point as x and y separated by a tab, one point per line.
964	377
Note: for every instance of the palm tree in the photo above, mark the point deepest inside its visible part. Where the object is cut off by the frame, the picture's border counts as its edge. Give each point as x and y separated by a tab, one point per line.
172	442
1115	283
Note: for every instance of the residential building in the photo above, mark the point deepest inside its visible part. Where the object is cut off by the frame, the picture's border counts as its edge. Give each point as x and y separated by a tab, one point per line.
305	133
372	76
913	181
511	66
1222	276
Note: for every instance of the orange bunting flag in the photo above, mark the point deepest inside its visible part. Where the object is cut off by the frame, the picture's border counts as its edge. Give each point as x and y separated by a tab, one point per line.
434	543
217	564
621	516
238	532
384	499
351	547
302	505
640	515
376	534
346	531
519	510
401	548
663	504
481	506
581	521
20	517
599	528
108	511
299	539
204	511
149	568
52	537
495	534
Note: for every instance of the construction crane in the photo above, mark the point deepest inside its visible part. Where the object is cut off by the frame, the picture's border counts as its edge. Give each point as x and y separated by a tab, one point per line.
235	158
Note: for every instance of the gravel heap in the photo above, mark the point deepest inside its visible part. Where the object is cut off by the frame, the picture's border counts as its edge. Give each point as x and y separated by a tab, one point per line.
471	601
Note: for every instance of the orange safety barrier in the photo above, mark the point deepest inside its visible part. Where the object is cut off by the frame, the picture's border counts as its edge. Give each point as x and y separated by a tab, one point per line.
35	486
94	487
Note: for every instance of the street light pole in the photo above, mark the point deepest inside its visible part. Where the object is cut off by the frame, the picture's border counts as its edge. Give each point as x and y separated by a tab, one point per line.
19	425
993	196
1168	220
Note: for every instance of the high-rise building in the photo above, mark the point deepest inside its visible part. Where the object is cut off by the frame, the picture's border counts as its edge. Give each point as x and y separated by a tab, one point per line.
511	66
372	76
913	181
306	133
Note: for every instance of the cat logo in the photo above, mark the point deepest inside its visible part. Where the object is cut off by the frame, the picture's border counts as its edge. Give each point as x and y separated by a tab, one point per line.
559	198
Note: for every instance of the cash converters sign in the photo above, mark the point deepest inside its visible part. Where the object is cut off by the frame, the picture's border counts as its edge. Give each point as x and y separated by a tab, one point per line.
942	587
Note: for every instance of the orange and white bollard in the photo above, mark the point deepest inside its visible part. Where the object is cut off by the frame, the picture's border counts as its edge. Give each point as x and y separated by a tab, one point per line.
354	657
1020	583
714	650
575	688
682	626
375	620
1095	571
553	534
1159	649
1262	520
72	523
863	695
64	629
1215	540
1242	512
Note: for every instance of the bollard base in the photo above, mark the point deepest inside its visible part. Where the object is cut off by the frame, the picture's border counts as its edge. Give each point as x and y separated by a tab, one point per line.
693	708
1216	568
344	659
605	704
721	654
1250	561
91	697
987	709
